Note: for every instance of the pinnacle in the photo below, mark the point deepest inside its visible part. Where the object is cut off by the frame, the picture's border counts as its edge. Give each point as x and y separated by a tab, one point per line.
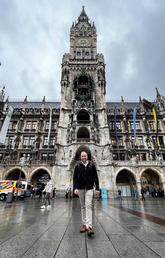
83	16
83	13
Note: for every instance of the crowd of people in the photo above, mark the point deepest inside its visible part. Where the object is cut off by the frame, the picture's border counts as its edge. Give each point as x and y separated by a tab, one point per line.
145	192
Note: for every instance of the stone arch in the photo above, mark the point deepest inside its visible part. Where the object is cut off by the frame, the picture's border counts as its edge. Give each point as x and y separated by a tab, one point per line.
126	181
16	173
151	178
83	133
39	176
83	116
154	170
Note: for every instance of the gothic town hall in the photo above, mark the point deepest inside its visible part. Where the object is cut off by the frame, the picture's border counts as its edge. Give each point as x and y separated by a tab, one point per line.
45	138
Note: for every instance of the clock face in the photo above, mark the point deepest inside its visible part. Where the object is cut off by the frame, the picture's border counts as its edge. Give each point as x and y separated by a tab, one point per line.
83	42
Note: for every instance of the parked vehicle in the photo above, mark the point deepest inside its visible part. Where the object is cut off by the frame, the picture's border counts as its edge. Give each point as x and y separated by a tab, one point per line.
10	186
26	189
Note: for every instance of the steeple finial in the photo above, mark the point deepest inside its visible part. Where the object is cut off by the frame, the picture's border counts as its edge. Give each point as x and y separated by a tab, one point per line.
83	10
83	16
157	93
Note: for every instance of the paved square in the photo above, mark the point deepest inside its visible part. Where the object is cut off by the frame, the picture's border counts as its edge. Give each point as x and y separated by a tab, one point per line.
125	228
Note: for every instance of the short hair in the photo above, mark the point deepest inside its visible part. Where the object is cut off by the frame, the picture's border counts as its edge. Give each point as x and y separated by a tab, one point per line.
84	152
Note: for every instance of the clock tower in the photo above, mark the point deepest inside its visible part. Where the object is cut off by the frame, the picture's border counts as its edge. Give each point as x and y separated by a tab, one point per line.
83	119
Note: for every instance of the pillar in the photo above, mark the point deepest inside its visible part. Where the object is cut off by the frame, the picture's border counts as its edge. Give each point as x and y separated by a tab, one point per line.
139	188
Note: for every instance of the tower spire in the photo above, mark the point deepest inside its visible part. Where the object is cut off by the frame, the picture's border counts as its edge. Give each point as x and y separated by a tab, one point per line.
83	16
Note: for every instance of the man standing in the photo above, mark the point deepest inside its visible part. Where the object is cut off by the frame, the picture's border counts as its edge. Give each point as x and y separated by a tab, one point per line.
84	179
48	190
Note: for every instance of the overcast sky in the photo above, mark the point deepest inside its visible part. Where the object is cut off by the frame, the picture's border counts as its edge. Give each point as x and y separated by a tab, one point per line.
34	35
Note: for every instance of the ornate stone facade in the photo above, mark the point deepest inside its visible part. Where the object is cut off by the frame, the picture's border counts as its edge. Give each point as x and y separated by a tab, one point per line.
84	121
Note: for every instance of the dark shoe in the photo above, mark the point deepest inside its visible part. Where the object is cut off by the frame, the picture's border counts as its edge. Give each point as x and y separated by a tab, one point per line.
90	232
83	229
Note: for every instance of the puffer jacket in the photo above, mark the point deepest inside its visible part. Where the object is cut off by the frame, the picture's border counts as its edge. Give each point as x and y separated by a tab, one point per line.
85	177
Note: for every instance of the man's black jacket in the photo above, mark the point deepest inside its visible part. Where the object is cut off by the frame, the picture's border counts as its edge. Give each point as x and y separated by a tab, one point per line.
85	177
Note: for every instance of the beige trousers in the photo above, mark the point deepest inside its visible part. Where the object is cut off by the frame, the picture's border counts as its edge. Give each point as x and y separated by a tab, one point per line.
86	197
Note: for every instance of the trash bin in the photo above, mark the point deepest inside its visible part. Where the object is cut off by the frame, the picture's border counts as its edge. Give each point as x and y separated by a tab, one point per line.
9	198
104	193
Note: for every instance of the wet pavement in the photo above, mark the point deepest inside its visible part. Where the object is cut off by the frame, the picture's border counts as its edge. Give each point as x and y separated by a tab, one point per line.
125	228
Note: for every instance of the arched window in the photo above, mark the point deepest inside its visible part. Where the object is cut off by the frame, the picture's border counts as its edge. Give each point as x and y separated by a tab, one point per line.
83	134
83	116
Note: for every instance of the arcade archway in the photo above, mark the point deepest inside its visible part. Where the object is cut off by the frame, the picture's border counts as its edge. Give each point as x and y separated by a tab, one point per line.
40	177
125	181
15	174
151	179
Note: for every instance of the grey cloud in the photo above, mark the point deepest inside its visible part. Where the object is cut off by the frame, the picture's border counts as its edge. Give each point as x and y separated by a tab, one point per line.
35	34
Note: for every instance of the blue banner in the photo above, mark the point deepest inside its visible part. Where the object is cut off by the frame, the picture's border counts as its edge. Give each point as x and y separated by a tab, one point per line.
134	125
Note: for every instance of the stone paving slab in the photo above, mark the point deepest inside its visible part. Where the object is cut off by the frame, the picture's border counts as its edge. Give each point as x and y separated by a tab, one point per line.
27	231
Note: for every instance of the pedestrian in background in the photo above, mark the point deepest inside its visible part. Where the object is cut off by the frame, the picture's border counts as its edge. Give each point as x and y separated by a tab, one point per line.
119	195
84	179
135	193
143	194
48	190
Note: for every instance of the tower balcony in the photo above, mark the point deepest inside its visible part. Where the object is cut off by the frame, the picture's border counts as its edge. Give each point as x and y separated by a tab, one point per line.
84	140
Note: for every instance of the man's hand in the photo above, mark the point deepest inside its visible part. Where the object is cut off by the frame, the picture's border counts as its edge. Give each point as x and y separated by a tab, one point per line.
97	193
76	191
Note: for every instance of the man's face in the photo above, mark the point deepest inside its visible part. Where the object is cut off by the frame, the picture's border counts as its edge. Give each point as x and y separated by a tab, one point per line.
84	157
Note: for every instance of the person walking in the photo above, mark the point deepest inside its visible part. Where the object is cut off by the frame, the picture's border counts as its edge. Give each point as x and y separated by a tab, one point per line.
143	193
84	179
135	194
48	190
119	195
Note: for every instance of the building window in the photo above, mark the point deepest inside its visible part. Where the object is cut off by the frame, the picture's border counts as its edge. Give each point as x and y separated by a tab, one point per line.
111	126
28	125
51	156
120	141
158	125
161	140
87	55
47	125
154	140
27	156
44	156
6	141
52	140
13	125
151	125
115	156
122	156
54	125
131	125
34	125
113	142
11	139
25	140
140	140
143	156
118	125
46	140
32	139
137	126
